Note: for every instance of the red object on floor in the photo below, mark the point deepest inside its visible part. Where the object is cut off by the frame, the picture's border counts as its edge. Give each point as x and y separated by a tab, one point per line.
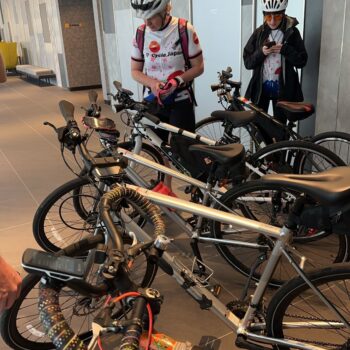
163	189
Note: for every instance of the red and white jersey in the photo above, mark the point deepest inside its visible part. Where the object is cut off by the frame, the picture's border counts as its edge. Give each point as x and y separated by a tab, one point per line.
162	53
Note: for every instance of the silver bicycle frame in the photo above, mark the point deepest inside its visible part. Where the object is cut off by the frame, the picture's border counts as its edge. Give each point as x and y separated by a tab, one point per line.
282	236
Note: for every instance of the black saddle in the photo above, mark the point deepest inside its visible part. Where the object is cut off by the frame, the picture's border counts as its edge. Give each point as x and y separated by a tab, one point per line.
295	111
105	126
225	155
237	119
331	187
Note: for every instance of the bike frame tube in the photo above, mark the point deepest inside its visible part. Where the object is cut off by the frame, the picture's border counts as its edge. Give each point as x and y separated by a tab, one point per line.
207	212
198	292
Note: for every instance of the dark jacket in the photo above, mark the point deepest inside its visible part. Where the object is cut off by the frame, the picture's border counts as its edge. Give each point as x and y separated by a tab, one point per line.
293	54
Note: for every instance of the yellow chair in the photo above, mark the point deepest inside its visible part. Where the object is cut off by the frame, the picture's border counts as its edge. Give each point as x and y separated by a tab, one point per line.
9	53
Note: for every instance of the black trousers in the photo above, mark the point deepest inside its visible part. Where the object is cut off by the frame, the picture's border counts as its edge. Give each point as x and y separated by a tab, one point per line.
180	114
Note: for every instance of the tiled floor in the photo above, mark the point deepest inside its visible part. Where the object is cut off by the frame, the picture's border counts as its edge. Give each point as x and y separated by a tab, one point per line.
31	167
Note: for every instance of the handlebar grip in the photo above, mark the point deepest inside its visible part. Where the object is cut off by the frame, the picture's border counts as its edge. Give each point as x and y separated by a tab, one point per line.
152	118
67	110
215	87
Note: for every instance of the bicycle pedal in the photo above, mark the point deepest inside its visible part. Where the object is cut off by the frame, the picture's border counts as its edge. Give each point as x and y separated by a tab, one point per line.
215	289
192	221
238	307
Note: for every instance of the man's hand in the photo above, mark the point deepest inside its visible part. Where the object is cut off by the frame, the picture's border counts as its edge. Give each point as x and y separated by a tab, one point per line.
277	48
273	49
155	86
267	51
10	285
167	89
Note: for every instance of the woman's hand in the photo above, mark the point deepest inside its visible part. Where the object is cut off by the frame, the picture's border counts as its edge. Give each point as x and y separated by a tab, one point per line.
10	285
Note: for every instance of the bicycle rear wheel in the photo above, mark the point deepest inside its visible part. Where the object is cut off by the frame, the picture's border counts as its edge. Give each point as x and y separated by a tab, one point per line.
297	313
218	129
337	142
272	204
296	157
20	326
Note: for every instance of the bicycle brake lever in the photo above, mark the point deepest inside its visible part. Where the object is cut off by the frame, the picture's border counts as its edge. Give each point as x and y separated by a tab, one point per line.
49	124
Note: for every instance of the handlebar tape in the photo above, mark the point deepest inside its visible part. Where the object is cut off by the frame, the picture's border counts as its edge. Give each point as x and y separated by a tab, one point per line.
67	110
54	323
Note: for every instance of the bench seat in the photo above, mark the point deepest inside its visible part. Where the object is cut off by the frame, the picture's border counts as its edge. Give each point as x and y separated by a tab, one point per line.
35	72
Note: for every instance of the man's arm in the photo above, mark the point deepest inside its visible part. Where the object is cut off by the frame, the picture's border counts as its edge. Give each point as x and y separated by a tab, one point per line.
10	285
142	78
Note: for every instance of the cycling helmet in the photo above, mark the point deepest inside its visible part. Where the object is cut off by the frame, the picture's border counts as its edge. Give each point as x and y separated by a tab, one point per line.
274	5
148	8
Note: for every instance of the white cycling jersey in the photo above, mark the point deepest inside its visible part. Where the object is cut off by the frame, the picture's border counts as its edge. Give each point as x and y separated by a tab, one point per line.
162	53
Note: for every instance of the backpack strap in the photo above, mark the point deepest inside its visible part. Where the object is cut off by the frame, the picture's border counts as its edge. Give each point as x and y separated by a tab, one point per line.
183	34
140	37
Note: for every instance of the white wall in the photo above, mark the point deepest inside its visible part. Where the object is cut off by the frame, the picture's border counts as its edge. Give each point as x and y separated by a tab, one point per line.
218	24
27	29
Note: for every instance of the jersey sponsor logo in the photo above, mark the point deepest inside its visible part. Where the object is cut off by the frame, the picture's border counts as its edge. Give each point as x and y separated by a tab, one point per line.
164	54
154	46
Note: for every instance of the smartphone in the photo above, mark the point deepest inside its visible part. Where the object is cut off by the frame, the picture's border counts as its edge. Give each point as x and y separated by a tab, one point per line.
61	267
269	44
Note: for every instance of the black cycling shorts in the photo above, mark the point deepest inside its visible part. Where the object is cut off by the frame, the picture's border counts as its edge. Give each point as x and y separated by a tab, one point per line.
179	114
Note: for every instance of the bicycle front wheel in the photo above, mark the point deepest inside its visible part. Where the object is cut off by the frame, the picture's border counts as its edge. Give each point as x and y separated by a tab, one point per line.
292	157
337	142
297	313
271	204
20	326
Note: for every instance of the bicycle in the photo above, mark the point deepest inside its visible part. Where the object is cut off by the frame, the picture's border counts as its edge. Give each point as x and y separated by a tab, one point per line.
47	219
297	311
255	131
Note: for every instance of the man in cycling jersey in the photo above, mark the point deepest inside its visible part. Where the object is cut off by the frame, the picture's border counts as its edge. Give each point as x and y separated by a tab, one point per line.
273	52
163	66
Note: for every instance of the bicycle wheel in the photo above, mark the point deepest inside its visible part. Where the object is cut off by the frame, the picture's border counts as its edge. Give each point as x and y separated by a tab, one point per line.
297	313
67	215
215	128
151	153
337	142
272	204
20	326
297	157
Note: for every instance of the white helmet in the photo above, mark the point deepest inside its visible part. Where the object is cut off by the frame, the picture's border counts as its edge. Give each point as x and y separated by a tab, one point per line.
148	8
274	5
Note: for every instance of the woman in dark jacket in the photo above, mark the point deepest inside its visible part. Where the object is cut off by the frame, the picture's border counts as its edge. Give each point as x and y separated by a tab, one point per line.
274	52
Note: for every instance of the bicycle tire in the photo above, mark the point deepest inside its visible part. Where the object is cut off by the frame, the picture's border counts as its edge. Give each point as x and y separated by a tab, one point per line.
147	151
213	128
296	302
271	204
336	141
31	336
50	227
297	157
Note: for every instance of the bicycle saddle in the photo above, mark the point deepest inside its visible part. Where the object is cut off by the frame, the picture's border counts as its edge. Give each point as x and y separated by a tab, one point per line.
237	119
295	111
226	155
99	123
329	187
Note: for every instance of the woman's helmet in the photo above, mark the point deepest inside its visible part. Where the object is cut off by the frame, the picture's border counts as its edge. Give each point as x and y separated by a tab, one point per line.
274	5
148	8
